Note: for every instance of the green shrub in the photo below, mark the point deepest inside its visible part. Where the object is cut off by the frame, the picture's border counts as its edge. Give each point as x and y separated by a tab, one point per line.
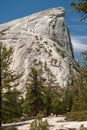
42	125
10	128
77	116
38	124
82	127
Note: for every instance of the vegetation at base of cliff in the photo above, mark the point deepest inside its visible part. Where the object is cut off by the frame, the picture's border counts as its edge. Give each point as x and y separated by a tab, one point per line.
72	99
78	92
10	128
82	127
77	116
38	124
10	103
43	95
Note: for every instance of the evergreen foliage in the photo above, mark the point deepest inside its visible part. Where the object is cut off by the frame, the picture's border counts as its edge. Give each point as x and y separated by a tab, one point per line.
10	128
35	97
41	96
82	127
11	105
81	6
79	93
68	99
56	106
77	116
38	124
9	95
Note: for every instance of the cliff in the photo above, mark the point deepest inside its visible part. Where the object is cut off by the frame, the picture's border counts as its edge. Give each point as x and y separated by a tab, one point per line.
41	40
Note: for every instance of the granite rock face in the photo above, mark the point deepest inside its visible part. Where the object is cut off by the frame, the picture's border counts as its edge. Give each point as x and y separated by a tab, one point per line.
41	39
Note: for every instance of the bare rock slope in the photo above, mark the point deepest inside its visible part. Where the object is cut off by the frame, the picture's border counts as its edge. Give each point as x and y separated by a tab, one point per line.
41	39
55	123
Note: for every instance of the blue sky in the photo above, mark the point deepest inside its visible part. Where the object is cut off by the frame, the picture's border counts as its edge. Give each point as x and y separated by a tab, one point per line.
13	9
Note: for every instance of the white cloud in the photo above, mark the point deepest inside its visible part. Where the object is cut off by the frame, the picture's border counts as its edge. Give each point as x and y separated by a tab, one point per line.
79	43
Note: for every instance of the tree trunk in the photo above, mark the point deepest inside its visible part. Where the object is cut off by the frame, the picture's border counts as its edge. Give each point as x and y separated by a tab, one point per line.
35	107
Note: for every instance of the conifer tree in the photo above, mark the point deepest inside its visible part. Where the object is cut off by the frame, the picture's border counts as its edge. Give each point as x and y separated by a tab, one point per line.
81	6
8	82
80	91
11	107
79	88
35	97
38	124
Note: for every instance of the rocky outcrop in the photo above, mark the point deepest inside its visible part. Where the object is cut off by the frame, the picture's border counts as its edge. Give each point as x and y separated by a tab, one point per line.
41	39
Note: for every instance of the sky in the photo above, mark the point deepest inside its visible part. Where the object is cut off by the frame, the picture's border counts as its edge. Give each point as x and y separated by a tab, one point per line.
14	9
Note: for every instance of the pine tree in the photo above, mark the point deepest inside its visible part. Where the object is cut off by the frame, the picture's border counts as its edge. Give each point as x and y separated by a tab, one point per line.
8	82
38	124
11	107
78	94
81	6
35	97
79	88
80	91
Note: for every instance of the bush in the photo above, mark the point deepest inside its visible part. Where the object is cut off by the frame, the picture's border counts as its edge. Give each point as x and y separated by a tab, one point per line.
10	128
82	127
77	116
38	124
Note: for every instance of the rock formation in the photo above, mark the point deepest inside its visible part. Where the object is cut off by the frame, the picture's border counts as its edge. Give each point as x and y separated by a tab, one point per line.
41	39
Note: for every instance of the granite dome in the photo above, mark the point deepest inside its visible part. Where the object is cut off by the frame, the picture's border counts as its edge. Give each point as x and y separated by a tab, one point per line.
41	37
